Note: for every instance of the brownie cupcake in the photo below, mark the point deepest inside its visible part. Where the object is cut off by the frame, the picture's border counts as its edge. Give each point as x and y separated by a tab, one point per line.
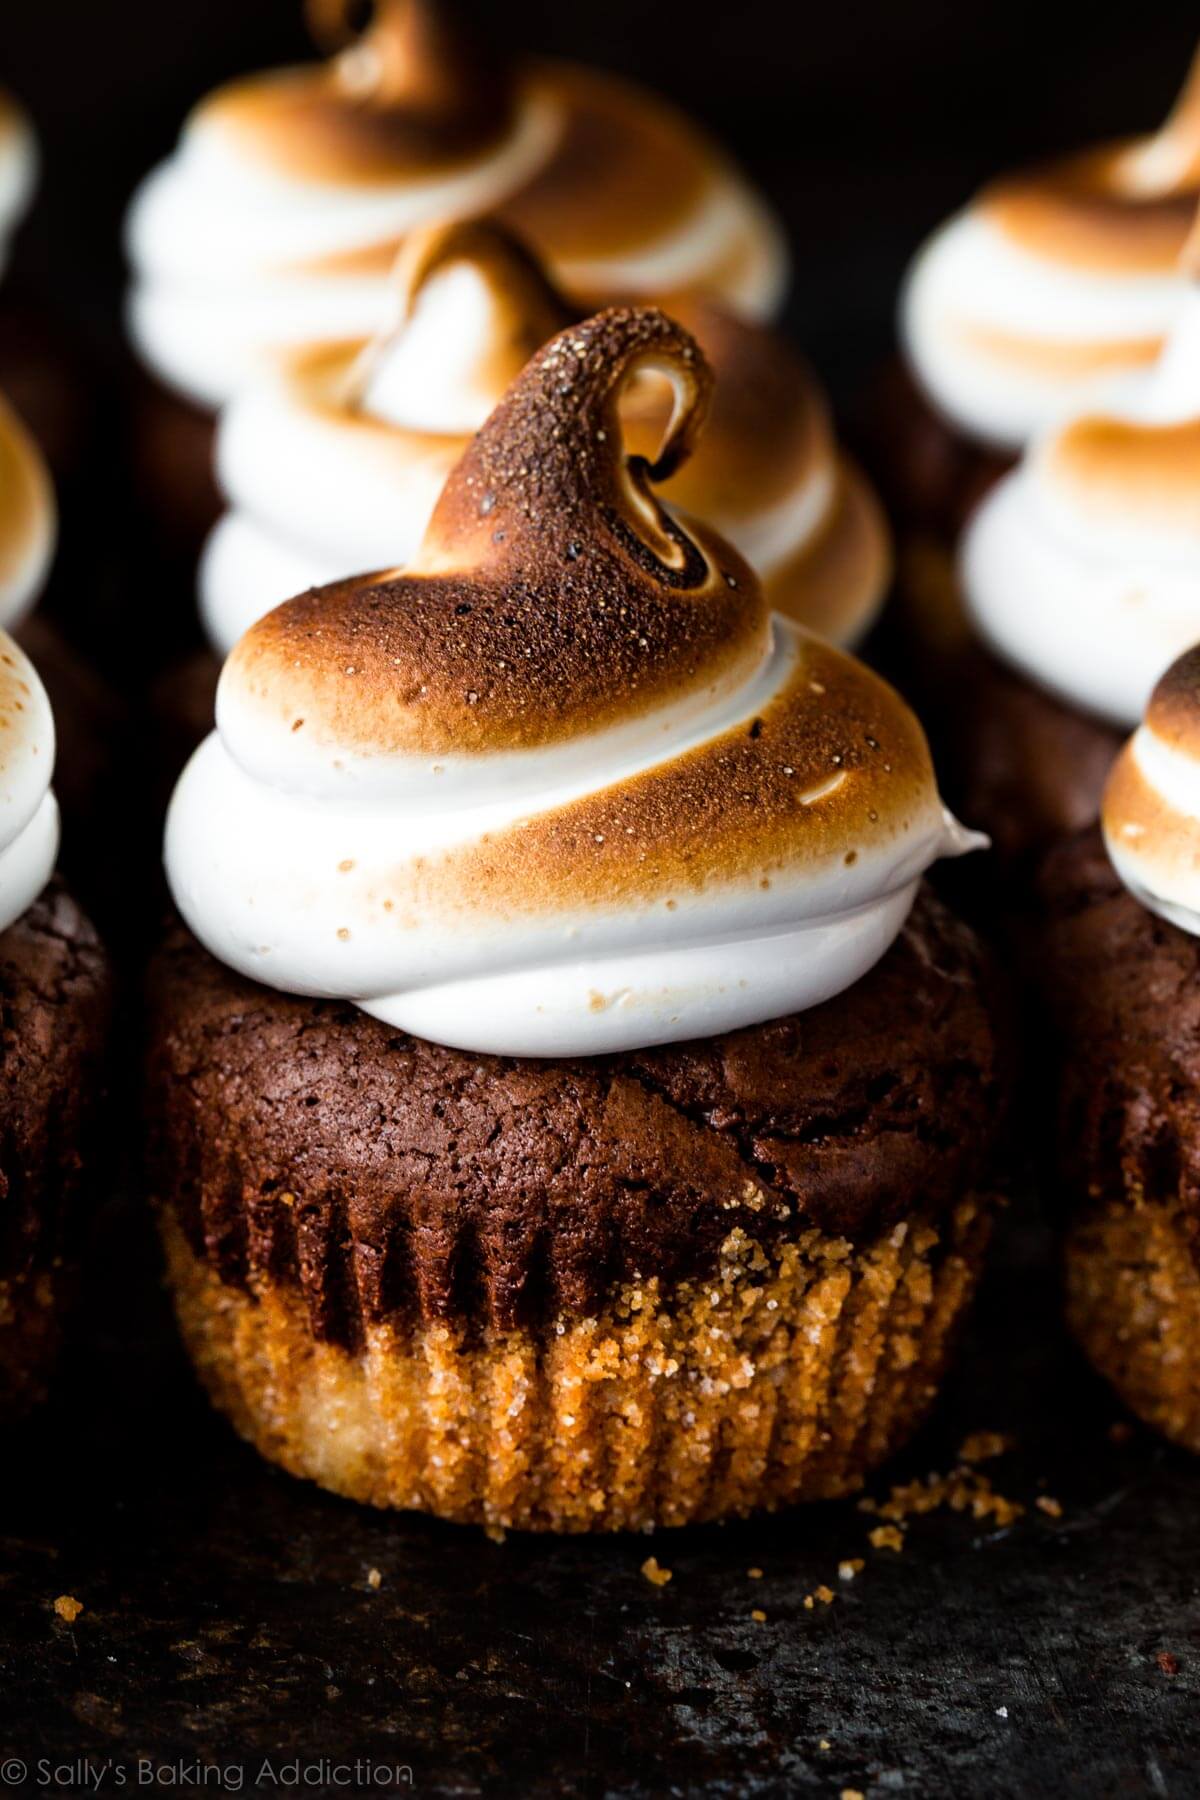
570	1110
1080	578
1047	292
276	221
1121	966
53	1016
338	460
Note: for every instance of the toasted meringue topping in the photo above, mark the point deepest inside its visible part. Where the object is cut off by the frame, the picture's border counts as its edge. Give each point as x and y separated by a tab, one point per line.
27	519
566	784
276	221
338	462
28	814
1054	287
1151	813
1082	567
18	169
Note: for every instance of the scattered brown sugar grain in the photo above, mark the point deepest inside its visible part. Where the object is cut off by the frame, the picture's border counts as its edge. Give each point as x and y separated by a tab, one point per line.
657	1576
825	1595
852	1794
1167	1662
850	1567
982	1446
886	1537
963	1490
68	1607
755	1574
1049	1505
759	1617
374	1578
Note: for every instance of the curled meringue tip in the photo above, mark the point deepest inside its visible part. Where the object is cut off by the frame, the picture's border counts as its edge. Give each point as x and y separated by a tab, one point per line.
1151	809
410	55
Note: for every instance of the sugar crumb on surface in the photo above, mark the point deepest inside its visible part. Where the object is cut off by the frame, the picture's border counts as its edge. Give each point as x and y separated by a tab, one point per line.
1168	1662
886	1537
849	1567
654	1573
825	1595
1049	1505
755	1574
759	1616
982	1446
374	1578
68	1607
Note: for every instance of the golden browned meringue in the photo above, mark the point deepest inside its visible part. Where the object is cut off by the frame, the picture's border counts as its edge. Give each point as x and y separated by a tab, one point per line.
277	219
339	461
410	93
1056	285
566	783
1151	812
27	518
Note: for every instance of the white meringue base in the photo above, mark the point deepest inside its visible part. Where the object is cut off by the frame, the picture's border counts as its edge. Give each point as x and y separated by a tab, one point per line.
970	278
663	996
245	571
1094	628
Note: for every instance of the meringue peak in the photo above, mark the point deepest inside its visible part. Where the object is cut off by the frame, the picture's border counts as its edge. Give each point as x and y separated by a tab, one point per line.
553	595
470	307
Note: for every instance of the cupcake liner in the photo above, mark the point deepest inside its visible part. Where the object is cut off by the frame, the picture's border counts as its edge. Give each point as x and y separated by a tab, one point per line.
786	1374
1133	1302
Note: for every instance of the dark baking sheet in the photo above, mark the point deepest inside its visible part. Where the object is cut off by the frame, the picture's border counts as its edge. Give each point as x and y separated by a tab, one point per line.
230	1622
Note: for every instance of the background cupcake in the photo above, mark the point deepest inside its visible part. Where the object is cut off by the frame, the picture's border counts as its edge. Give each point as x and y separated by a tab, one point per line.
1049	290
53	986
569	798
1121	967
1079	574
277	220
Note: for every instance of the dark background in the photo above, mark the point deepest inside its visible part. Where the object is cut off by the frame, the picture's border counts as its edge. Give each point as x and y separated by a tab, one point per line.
864	119
229	1612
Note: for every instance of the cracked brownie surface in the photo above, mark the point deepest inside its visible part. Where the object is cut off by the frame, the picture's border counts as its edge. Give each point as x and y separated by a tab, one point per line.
384	1174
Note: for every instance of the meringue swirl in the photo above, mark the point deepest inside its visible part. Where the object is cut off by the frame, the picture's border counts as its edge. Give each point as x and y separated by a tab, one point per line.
28	813
1051	289
28	519
276	221
1151	812
336	462
1082	567
18	169
567	785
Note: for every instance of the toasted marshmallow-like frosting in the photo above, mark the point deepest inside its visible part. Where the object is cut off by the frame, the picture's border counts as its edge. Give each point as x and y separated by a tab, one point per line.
28	813
1053	288
28	519
18	169
1151	812
337	461
276	221
1082	567
567	784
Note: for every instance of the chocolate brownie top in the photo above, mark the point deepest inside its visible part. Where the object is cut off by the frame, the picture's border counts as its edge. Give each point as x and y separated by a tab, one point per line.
1124	992
384	1173
54	1004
